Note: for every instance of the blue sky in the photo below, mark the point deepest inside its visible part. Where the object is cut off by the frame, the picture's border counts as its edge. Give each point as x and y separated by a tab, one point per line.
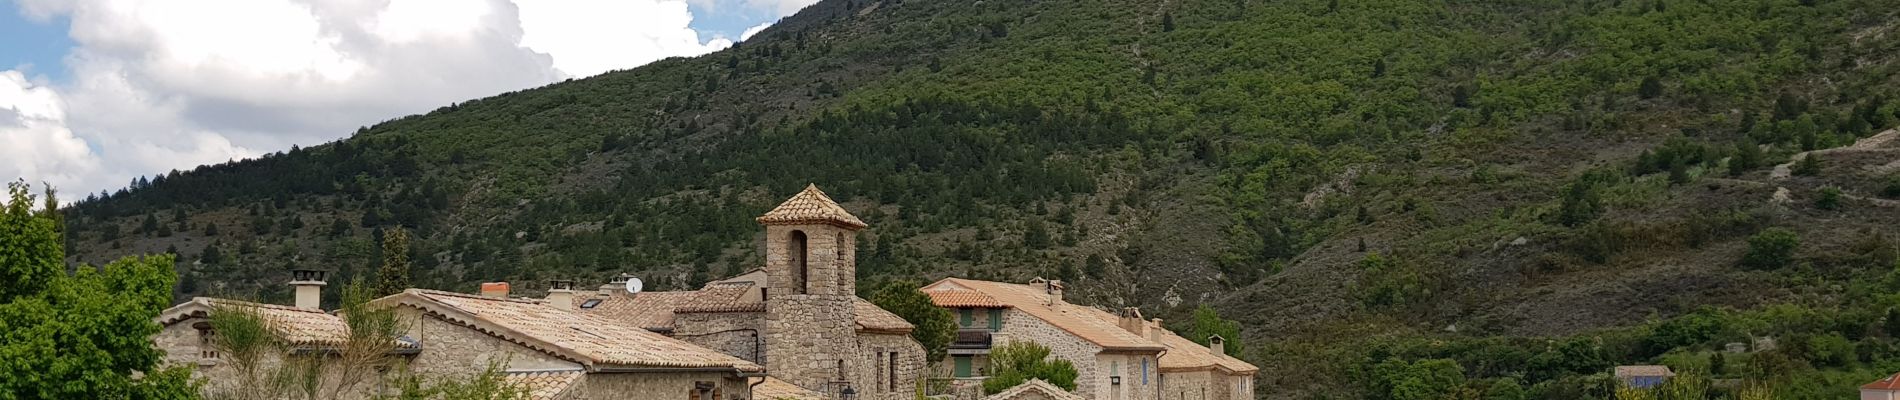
41	44
173	84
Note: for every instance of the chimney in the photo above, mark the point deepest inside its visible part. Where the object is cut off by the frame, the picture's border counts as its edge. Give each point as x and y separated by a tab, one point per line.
1155	332
616	284
309	288
1217	345
1055	291
561	293
497	290
1131	321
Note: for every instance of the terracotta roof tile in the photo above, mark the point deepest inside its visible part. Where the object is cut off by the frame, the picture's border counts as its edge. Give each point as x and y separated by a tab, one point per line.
298	326
1891	382
544	385
873	318
811	205
1039	388
650	310
774	389
961	298
1186	355
721	297
589	339
1096	326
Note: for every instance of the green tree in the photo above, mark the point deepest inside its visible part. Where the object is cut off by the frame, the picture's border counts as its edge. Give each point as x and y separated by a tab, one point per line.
1505	388
1748	156
1035	236
1580	203
86	335
1207	322
934	326
1770	249
1017	362
393	277
1828	198
1431	379
1650	88
1810	165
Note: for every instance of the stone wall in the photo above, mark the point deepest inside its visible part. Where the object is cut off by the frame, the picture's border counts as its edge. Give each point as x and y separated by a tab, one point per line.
1134	384
738	334
1092	378
672	385
183	345
450	349
830	264
876	353
811	340
1206	385
979	318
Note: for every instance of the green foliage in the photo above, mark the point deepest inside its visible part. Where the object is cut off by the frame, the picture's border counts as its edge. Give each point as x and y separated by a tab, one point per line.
1810	165
86	335
1429	379
1828	198
935	327
1771	249
1650	88
1505	388
1691	329
1892	190
393	276
1207	322
1016	362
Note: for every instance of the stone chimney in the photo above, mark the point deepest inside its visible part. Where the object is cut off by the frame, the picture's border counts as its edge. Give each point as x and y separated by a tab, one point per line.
561	294
1054	288
1155	331
617	284
1131	321
1217	345
497	290
308	284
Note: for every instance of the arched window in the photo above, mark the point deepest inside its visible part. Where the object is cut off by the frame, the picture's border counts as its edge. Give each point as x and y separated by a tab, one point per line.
801	269
841	247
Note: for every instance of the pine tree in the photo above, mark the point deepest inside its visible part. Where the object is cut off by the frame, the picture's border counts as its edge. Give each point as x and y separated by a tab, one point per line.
1809	165
393	277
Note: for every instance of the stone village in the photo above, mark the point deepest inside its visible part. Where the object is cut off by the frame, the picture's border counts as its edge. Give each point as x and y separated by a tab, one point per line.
794	329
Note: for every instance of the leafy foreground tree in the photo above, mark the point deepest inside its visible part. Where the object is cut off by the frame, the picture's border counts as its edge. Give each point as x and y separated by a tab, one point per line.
1017	362
85	335
265	367
1207	322
935	327
393	277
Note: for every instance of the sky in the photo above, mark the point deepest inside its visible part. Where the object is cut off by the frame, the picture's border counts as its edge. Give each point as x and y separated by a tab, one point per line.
95	93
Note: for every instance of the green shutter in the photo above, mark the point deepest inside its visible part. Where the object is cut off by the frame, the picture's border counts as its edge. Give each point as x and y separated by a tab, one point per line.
969	318
996	319
963	366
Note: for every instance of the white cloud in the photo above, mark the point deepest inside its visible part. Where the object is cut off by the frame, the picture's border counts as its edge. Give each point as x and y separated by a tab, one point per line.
754	30
158	85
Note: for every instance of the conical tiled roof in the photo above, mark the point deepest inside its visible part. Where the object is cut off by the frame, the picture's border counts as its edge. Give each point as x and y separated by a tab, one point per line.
811	205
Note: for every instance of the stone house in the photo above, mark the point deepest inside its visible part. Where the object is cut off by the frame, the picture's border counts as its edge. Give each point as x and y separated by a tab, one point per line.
799	316
1642	376
1117	355
1887	388
554	352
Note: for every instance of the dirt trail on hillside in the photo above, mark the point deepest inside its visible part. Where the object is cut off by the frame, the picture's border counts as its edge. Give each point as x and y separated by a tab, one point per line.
1877	141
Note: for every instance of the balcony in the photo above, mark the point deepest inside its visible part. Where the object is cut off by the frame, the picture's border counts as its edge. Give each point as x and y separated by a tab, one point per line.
971	341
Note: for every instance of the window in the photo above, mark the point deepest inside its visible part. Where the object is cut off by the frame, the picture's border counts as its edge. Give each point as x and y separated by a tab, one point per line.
590	303
996	319
800	269
1144	371
840	247
892	370
967	317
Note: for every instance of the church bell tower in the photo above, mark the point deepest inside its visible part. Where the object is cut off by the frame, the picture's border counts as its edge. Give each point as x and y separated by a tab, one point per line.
811	268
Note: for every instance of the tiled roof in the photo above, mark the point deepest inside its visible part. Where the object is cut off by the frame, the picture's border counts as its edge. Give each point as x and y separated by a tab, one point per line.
1096	326
811	205
1891	382
544	385
1186	355
586	338
650	310
1034	389
1624	371
873	318
656	310
963	298
297	326
721	297
774	389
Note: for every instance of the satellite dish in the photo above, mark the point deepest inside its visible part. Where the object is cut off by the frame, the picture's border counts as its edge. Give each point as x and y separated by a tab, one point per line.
633	285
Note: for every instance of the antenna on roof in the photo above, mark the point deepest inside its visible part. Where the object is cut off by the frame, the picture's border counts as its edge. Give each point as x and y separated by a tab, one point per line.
633	285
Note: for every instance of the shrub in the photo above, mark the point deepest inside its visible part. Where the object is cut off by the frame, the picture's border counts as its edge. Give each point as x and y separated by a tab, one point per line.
1017	362
1770	249
1892	191
1828	199
1810	165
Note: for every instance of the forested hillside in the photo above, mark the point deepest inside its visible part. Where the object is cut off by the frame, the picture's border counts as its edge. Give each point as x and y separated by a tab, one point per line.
1387	194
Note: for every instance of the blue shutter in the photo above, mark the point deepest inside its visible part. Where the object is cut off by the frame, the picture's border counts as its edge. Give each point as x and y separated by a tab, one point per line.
1144	370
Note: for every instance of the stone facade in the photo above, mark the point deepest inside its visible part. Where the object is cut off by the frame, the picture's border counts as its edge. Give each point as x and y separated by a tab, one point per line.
1094	368
450	349
810	337
739	334
671	385
890	366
